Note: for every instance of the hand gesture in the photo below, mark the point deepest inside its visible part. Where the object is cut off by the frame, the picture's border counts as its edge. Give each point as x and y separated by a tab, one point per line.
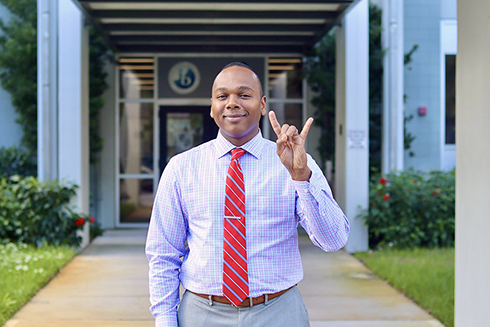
291	147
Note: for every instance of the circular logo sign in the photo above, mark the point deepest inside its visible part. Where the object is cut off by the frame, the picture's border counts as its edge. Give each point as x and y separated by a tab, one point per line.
184	77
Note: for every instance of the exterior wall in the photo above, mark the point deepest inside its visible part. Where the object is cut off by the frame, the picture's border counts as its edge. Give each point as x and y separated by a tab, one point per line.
448	9
422	82
10	131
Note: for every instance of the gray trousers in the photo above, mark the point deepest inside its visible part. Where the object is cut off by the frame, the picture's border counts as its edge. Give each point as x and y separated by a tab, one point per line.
285	310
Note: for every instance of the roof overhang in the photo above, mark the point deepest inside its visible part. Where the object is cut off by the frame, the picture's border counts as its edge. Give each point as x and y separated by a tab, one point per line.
225	26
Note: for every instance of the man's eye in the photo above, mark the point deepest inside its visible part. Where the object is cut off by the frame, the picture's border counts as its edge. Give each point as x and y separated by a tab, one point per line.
245	95
220	97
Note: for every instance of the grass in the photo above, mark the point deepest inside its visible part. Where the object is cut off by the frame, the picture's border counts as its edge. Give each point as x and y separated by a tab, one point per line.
24	270
424	275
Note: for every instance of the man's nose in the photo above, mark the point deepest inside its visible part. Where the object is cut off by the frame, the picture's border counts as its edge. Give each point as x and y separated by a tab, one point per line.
232	102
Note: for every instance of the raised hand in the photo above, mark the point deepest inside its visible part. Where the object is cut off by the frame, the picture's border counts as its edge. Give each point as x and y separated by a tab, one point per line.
291	147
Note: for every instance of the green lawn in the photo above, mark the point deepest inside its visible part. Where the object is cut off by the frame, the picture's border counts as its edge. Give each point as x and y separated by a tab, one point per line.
24	270
424	275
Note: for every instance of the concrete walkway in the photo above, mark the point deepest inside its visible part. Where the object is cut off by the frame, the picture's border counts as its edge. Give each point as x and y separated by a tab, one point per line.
107	286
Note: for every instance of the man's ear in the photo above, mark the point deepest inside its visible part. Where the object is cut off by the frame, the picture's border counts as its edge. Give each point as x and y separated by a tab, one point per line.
263	102
211	112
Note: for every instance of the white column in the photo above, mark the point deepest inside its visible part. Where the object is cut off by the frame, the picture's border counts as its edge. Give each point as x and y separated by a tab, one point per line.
73	121
352	121
47	102
393	106
472	308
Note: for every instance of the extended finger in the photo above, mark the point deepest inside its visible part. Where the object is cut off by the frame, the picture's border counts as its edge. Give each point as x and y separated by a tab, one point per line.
306	128
274	123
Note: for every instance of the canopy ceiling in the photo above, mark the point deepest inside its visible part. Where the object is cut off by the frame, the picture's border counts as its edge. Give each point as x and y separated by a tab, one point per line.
225	26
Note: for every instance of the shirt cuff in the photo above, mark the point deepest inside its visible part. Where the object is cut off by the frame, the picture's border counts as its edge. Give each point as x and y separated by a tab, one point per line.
166	321
301	186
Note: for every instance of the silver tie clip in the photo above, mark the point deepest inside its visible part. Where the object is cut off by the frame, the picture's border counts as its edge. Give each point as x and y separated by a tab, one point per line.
232	217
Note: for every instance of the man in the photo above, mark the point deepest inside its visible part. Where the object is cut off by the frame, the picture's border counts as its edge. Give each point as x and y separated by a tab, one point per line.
225	217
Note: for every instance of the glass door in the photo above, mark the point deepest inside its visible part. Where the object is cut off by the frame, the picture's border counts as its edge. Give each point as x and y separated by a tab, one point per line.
182	128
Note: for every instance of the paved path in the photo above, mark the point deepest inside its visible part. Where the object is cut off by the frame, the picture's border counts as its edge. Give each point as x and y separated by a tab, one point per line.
107	286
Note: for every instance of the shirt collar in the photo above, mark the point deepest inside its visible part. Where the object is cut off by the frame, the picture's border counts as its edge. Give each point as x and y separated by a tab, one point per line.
254	146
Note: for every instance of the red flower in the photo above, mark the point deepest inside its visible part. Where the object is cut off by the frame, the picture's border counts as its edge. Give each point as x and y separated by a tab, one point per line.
437	191
383	181
80	221
92	219
415	181
386	197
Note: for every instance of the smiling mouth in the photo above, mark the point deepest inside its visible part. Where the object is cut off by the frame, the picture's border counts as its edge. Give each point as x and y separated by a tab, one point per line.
234	117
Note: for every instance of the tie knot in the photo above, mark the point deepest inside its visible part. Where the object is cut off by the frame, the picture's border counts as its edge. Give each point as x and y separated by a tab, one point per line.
237	153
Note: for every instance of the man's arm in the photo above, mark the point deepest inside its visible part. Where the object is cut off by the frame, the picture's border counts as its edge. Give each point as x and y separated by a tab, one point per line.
319	213
164	249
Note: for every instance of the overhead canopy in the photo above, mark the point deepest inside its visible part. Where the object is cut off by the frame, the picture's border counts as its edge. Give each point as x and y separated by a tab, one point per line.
220	26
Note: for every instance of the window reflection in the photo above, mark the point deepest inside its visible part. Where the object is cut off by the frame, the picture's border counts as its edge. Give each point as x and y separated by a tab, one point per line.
184	131
285	80
137	78
136	138
136	200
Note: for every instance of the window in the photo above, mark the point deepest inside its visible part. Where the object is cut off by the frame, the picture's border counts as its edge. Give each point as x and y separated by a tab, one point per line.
285	86
136	78
450	99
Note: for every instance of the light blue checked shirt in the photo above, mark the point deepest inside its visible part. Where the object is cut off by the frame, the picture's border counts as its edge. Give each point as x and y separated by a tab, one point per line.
189	207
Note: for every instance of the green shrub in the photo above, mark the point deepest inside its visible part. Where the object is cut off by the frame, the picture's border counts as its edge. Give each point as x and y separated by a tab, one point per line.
35	212
16	161
409	209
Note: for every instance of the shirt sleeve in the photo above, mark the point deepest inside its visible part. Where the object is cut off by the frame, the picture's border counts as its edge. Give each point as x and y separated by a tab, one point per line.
319	213
165	246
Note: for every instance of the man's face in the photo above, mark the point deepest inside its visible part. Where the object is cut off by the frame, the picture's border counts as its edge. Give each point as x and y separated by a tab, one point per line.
237	104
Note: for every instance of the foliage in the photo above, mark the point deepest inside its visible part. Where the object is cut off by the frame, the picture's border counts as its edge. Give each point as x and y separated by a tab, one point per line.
319	70
24	270
411	209
408	137
18	65
99	55
18	72
425	275
38	213
16	161
376	55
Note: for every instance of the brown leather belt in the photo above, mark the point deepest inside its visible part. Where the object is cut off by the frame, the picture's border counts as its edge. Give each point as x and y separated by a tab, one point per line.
246	302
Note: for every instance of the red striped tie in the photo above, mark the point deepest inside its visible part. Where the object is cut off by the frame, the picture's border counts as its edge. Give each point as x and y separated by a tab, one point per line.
235	272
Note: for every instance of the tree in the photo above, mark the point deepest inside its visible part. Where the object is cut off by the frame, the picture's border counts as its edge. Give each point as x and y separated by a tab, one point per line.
18	72
18	65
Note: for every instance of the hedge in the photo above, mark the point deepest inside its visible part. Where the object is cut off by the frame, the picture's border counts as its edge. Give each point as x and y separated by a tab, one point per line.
411	209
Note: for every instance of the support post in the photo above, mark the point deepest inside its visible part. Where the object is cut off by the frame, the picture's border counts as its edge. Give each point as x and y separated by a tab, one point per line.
393	87
472	165
47	89
352	121
73	123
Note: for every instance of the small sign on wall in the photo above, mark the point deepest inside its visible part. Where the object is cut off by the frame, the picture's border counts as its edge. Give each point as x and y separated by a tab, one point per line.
357	139
184	77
